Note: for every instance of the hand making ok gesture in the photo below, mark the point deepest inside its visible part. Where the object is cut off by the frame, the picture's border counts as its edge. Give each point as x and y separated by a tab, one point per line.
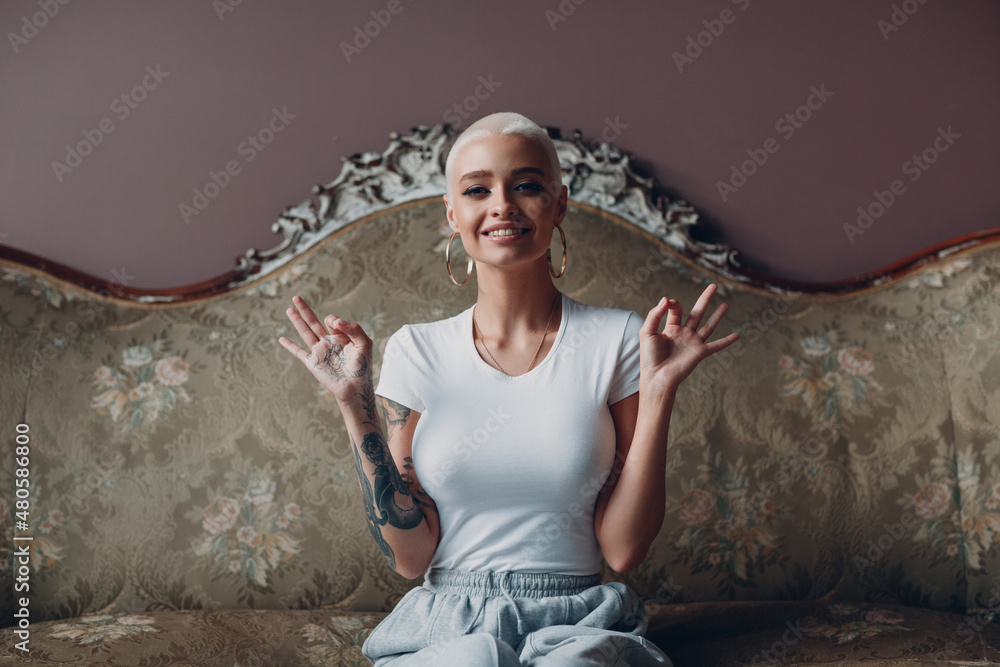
340	360
667	358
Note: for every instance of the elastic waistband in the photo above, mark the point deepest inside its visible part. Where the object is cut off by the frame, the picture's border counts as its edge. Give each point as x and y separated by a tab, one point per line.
509	584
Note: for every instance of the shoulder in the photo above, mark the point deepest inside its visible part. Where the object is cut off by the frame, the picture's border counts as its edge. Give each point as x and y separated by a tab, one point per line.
422	338
607	316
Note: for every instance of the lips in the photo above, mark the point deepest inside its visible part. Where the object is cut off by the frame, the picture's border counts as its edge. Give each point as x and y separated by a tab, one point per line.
506	229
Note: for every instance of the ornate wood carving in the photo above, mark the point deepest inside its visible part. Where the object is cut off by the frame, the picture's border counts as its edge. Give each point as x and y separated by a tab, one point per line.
412	168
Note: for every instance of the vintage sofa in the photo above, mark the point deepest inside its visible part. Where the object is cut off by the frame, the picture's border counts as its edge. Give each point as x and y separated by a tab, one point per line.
833	480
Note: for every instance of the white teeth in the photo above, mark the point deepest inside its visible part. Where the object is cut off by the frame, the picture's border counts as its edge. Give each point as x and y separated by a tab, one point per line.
506	232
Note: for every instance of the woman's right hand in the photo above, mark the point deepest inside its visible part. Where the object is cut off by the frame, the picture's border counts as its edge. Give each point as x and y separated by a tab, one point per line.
341	360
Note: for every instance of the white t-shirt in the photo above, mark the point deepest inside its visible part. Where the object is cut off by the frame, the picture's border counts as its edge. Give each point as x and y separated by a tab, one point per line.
514	464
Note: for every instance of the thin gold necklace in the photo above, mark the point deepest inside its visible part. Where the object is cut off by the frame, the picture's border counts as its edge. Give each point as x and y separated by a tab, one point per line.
483	339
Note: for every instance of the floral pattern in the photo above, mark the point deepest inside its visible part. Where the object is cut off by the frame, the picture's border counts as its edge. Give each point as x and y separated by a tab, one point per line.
28	282
960	514
848	623
145	386
247	533
341	641
727	531
837	380
103	628
247	496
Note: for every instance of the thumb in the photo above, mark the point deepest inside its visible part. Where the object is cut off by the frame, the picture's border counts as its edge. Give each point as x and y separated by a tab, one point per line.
352	331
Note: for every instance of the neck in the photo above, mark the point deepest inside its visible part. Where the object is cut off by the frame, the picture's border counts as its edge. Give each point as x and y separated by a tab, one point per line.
515	303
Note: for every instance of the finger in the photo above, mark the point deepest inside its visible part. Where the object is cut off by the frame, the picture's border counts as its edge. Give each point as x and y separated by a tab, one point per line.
651	325
700	306
355	333
713	321
722	343
674	313
299	353
334	324
310	317
305	332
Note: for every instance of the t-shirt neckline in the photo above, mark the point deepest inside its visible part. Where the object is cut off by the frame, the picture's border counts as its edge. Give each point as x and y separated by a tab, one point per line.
470	344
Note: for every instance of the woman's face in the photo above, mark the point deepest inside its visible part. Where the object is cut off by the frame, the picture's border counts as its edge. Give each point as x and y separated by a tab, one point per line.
504	182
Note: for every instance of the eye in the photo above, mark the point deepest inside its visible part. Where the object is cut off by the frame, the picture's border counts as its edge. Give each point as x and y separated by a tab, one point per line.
478	189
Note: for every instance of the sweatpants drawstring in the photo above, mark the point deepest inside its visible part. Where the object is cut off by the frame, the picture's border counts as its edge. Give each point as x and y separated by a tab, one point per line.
504	580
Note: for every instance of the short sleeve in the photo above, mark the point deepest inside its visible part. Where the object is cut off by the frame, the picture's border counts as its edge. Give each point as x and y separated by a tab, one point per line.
626	377
399	378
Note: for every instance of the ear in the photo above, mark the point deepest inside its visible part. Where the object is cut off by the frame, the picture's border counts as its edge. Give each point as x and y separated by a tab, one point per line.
450	214
562	205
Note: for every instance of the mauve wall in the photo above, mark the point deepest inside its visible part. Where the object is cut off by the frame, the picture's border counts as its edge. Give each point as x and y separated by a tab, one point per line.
899	75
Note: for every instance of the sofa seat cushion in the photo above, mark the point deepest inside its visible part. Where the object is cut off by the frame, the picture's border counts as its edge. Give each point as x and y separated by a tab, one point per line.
697	634
229	637
821	633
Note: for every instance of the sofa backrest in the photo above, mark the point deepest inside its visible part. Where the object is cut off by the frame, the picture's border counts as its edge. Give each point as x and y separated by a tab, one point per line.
847	447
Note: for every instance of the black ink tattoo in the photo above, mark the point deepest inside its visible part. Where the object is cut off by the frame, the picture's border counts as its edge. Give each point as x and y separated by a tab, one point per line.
368	400
395	414
334	362
421	497
381	507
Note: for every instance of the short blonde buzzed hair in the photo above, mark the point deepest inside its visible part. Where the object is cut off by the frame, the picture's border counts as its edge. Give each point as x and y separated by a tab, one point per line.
501	123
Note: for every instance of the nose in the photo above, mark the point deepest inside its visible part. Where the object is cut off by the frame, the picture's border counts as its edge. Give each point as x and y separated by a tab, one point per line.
503	205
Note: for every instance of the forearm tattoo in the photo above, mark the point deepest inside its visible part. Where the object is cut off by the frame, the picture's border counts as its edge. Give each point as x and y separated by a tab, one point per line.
381	507
368	401
335	363
419	495
395	414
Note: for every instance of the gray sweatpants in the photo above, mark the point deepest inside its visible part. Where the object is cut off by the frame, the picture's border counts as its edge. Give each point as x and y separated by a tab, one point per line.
510	619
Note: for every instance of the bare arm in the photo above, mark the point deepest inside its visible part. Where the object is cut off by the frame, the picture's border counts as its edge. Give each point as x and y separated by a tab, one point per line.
629	510
638	482
341	361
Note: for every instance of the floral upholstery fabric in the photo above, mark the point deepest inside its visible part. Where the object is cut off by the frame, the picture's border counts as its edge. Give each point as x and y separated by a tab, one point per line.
847	448
704	634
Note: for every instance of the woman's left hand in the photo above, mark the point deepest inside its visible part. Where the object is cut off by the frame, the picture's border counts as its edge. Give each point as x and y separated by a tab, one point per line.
667	358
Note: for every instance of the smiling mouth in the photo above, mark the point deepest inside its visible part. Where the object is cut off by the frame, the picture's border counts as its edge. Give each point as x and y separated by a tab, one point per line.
506	232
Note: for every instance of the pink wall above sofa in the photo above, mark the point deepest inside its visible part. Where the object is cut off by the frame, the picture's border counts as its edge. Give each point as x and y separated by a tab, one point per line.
885	82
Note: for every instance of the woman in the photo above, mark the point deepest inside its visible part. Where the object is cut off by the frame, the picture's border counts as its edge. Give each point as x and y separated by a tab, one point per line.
541	444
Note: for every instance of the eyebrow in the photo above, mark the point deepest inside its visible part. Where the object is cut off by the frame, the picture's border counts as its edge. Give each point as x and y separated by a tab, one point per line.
484	173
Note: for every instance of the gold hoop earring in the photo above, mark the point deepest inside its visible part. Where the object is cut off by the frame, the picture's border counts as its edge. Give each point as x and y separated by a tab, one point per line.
447	263
562	269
